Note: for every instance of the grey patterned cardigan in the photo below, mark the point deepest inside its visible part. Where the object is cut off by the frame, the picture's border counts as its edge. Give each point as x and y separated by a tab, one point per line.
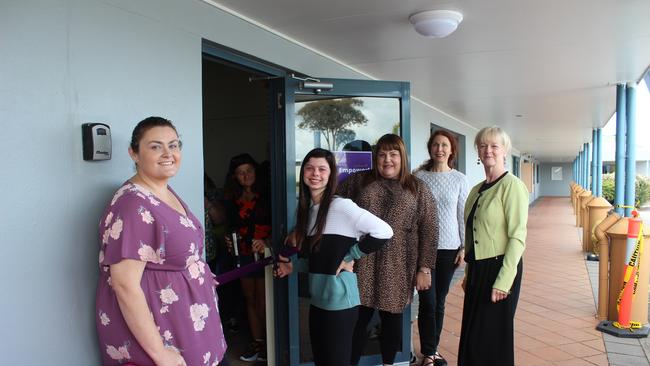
386	278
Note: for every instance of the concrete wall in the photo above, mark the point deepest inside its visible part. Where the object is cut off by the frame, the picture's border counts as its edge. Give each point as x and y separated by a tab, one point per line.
66	62
550	187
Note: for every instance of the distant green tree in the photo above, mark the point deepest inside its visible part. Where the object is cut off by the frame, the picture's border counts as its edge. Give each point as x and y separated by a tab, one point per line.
332	117
641	187
396	128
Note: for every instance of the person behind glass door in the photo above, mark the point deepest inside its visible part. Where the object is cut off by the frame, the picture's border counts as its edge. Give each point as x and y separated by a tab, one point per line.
387	277
332	232
496	213
155	301
449	188
249	216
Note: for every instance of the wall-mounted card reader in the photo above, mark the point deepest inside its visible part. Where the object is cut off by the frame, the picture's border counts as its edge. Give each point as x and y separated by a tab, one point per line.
96	141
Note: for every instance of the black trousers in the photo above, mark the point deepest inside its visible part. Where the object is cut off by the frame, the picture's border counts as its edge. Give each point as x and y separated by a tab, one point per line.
330	332
390	338
431	312
487	330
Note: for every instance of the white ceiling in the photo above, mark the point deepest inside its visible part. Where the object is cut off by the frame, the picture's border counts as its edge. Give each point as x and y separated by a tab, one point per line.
554	62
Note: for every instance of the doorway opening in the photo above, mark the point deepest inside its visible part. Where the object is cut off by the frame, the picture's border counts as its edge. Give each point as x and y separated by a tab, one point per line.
237	145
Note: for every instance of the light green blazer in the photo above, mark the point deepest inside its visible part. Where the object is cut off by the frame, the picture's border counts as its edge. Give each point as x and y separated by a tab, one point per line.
500	225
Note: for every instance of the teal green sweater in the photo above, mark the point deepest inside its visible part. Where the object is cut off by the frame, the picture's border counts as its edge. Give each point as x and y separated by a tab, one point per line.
350	232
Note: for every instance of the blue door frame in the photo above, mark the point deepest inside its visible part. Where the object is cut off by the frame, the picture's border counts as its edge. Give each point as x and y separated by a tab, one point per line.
343	88
283	90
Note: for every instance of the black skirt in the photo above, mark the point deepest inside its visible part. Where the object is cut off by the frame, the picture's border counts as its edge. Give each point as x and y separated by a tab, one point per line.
487	331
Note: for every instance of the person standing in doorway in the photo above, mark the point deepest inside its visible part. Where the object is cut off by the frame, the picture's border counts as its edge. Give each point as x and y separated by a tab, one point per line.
496	214
449	188
332	232
387	277
249	218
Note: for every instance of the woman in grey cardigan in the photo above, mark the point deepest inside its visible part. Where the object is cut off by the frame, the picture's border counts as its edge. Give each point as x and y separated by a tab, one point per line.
386	278
449	188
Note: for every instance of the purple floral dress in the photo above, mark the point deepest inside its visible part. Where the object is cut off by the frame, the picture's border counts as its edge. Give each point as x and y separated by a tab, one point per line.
177	283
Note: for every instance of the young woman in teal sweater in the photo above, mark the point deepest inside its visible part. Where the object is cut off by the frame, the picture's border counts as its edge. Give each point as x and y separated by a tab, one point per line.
332	232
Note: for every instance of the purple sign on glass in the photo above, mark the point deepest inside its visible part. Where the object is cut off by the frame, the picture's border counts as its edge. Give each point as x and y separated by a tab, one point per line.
349	162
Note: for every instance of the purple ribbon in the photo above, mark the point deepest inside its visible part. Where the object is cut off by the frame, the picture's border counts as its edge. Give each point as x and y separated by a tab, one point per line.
252	267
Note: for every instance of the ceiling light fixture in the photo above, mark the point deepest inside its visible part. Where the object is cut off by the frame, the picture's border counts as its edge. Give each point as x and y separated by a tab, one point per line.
436	23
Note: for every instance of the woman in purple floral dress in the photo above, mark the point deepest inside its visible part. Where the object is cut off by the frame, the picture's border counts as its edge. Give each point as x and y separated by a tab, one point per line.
156	303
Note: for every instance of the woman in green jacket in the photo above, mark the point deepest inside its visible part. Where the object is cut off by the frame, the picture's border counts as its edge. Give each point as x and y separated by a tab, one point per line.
496	213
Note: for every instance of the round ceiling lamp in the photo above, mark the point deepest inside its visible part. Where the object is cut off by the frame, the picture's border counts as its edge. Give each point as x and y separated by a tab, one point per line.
436	23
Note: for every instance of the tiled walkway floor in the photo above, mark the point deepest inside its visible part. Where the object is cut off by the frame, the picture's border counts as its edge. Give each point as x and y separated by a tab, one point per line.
555	320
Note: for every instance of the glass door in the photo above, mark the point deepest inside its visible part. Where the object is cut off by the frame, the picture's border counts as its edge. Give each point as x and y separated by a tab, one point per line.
346	117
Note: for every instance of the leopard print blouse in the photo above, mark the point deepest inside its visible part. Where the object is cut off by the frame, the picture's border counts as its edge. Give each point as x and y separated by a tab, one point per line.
386	278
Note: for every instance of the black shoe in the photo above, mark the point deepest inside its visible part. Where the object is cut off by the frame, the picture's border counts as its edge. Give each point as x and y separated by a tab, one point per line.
439	360
252	352
414	359
261	356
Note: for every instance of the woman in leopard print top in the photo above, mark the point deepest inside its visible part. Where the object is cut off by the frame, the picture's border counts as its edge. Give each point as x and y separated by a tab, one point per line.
386	278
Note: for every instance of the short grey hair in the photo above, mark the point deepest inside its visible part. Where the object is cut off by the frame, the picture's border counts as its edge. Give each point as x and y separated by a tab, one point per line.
488	133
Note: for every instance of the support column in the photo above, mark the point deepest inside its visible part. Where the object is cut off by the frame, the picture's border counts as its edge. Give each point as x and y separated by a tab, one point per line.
619	171
630	147
594	146
599	163
586	172
580	157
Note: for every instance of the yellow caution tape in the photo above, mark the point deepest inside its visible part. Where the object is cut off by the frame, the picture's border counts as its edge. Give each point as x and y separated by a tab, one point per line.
635	261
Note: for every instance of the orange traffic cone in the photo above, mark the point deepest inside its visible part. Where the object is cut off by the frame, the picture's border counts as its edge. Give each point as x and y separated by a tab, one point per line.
625	327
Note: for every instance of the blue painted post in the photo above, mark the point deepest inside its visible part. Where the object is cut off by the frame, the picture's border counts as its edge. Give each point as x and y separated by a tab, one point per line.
630	147
599	163
580	168
594	146
575	175
586	172
619	170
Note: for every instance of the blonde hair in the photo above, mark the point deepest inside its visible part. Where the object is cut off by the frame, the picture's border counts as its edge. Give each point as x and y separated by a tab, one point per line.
489	134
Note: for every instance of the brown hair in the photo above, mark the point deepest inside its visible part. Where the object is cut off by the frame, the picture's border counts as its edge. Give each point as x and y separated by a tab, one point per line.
145	125
454	149
304	199
389	142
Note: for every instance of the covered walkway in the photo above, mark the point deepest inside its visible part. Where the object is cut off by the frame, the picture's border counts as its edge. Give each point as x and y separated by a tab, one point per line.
555	321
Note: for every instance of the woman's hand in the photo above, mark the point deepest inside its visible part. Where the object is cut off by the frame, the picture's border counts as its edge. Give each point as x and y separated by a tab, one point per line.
459	257
423	279
345	266
498	295
170	357
285	267
259	245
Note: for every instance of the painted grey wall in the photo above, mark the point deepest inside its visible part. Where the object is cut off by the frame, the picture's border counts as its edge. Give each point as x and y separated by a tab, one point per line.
66	62
550	187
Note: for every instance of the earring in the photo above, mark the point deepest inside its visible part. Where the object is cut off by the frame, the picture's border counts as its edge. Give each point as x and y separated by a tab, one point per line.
478	161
